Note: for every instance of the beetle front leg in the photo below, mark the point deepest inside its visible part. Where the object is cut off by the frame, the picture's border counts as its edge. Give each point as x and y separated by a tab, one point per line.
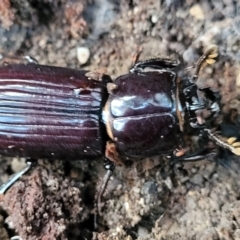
154	63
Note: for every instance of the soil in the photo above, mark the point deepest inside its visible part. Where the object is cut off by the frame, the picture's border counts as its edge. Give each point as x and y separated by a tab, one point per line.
152	199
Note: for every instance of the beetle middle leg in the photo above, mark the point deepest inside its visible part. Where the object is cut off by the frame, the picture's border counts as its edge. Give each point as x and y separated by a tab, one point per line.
199	155
110	161
15	177
109	166
112	158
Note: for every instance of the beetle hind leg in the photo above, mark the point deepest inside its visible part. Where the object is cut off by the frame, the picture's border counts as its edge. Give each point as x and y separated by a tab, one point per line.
202	154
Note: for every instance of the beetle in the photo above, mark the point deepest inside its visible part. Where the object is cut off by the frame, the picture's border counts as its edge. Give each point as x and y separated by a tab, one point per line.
51	112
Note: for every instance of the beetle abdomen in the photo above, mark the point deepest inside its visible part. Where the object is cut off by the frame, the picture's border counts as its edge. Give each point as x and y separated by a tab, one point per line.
50	112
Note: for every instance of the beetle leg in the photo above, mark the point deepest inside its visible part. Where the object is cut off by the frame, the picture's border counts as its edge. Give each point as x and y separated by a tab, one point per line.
109	166
154	63
203	154
228	143
207	58
14	178
111	159
5	59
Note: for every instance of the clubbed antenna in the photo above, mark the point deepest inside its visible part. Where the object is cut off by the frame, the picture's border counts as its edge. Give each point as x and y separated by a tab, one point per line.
228	143
235	146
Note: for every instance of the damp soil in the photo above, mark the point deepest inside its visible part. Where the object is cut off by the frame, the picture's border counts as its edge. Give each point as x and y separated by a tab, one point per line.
152	199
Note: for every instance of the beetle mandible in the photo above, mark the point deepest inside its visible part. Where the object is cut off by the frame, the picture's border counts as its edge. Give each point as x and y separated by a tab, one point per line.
51	112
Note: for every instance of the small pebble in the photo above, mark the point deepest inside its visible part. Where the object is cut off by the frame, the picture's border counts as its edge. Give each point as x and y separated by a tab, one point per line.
197	12
83	55
154	18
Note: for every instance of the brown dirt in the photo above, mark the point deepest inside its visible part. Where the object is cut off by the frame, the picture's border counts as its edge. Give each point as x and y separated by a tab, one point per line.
192	201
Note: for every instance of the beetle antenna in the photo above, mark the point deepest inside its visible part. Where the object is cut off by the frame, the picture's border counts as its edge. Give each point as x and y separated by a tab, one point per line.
207	58
228	143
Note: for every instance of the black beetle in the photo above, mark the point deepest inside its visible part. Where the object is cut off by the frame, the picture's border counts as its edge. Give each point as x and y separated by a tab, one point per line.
51	112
